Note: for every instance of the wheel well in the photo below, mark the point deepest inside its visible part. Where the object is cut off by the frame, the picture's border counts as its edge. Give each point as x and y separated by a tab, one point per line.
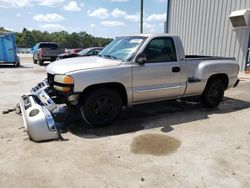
222	77
118	87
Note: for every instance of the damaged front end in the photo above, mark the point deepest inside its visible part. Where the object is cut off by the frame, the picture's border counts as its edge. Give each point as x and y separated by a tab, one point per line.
37	107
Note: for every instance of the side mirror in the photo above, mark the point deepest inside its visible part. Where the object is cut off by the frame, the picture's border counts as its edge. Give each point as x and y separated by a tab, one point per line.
141	59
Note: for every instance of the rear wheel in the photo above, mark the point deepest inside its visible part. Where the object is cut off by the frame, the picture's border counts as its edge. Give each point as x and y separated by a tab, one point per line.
213	93
17	64
101	107
34	60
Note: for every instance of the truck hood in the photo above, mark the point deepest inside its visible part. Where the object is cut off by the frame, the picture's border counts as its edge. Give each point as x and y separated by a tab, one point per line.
65	66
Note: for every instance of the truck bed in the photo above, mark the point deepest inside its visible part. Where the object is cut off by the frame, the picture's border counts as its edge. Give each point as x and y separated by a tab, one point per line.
200	57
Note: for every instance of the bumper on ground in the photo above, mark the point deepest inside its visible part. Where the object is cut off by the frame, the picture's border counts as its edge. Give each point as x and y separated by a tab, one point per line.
38	120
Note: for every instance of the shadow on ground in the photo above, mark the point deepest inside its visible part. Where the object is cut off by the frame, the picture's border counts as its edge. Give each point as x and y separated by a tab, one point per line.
45	64
12	66
164	114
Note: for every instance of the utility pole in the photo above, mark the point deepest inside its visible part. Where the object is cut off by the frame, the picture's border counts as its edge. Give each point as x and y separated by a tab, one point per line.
141	26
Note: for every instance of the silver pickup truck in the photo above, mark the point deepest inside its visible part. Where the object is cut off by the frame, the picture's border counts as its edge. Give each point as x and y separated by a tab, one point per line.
130	70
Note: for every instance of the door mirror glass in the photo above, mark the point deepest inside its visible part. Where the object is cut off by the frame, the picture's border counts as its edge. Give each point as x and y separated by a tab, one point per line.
141	58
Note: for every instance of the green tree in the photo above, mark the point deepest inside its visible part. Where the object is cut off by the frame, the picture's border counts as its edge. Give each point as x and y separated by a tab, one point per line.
27	39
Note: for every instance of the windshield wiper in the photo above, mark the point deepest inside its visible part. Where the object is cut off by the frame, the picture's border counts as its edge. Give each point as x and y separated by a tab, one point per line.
108	56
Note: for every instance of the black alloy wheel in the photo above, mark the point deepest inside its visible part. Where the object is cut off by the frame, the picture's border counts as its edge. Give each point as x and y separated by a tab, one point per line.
101	107
213	93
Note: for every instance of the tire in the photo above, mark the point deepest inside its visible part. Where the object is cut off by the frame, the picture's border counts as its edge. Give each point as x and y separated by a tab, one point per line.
213	93
40	62
17	64
34	61
101	107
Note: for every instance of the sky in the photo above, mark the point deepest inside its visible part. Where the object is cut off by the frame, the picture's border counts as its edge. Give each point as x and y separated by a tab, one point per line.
102	18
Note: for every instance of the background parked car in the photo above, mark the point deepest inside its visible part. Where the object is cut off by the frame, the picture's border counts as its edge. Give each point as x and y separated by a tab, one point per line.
75	51
45	51
86	52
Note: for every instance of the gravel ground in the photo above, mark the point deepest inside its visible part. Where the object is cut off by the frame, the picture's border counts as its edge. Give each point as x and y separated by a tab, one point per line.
166	144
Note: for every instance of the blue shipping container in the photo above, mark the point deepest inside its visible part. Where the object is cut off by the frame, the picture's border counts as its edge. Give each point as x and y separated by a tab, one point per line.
8	52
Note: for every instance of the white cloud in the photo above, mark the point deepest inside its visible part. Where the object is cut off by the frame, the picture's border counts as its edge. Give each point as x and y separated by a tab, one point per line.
119	0
72	6
54	17
149	27
30	28
24	3
14	3
52	27
18	15
99	13
51	3
120	13
112	23
133	18
92	25
157	17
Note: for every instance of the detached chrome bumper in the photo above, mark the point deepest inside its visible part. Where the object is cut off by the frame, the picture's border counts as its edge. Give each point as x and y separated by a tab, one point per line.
36	109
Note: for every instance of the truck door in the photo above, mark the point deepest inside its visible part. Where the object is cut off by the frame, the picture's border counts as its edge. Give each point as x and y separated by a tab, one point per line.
160	77
7	48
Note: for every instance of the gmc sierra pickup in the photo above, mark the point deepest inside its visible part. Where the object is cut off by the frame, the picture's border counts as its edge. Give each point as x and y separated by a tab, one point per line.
130	70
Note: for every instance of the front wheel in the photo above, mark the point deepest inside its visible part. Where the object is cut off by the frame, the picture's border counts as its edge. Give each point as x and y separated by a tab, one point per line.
101	107
213	93
40	62
34	61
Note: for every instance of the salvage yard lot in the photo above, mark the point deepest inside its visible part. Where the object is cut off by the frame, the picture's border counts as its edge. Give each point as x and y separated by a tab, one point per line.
165	144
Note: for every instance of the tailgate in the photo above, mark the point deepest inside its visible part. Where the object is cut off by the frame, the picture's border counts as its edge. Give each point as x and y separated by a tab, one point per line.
52	52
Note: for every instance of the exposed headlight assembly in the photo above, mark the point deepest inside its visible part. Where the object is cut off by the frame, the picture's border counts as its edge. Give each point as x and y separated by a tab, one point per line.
63	83
63	79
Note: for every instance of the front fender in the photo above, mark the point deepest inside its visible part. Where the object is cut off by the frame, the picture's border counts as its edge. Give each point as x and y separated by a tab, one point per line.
119	74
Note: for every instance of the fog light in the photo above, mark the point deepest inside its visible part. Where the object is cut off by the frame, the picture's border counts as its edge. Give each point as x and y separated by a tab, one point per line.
64	89
33	112
73	98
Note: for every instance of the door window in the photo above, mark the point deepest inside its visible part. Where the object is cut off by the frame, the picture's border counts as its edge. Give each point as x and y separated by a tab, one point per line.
161	50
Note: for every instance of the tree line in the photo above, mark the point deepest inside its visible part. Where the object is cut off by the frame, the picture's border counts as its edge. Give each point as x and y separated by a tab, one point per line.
27	39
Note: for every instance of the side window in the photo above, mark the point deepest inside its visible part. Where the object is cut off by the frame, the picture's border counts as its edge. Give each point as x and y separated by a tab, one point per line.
91	52
160	50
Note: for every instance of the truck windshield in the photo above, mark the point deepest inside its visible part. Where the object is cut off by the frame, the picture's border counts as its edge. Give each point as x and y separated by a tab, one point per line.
122	48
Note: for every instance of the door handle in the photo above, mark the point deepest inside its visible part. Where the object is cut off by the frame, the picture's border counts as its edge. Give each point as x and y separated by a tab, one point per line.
176	69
